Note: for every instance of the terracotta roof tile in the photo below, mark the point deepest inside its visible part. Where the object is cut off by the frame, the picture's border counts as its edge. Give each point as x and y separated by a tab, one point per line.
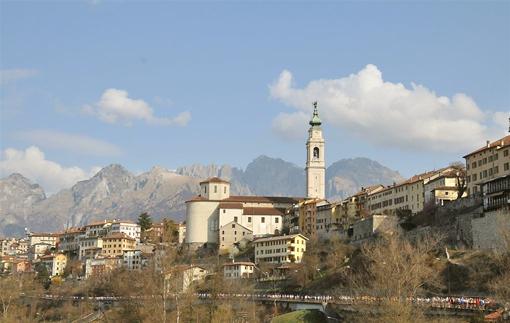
263	211
214	180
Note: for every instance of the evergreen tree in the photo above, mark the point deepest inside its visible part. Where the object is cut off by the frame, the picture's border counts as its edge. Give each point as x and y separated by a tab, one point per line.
145	221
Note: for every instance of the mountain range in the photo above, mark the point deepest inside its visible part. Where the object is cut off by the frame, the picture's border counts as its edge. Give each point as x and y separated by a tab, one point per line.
114	192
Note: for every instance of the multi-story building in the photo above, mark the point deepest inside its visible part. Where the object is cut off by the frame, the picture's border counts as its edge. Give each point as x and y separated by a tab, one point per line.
129	228
232	233
486	163
240	269
70	240
280	249
496	194
90	247
105	227
39	249
133	259
408	195
114	244
101	265
50	239
444	189
55	263
308	216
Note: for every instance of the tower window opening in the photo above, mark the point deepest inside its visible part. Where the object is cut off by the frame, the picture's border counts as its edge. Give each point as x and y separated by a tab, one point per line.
316	153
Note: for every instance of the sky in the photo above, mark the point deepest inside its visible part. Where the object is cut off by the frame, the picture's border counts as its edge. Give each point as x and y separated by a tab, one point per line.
86	84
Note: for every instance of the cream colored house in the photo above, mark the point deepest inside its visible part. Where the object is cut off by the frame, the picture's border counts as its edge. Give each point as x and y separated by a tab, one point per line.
486	163
236	270
55	263
442	189
232	233
280	249
90	247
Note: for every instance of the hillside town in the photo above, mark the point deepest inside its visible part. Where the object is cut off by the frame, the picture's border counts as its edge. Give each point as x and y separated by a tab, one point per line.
275	231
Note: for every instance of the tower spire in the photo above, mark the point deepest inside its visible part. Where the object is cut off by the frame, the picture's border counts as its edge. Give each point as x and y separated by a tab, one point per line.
316	121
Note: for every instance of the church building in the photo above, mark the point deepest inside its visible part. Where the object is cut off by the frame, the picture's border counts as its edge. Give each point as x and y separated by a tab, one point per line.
215	214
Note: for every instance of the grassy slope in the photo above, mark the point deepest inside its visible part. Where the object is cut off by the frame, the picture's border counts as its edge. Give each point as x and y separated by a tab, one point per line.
304	316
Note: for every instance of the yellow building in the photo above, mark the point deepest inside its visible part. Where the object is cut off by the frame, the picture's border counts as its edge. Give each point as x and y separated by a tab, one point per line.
280	249
115	244
486	163
55	264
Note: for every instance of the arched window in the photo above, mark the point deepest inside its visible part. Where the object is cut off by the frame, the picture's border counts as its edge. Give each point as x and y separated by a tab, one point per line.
316	153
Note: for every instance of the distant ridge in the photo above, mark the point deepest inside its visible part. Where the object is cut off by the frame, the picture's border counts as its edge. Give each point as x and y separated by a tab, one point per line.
114	192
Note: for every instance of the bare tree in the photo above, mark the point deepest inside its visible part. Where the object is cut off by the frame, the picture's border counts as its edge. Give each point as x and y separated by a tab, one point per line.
396	271
459	170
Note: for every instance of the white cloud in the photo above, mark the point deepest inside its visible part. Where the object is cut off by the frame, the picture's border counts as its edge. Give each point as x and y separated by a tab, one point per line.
386	113
115	106
12	75
78	144
32	164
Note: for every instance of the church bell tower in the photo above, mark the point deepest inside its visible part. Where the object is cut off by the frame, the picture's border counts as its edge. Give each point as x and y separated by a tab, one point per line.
315	164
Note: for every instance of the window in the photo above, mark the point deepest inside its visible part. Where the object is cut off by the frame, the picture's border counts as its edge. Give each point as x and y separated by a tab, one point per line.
249	219
276	220
235	219
233	226
506	166
263	219
224	189
315	153
505	153
205	189
224	211
215	189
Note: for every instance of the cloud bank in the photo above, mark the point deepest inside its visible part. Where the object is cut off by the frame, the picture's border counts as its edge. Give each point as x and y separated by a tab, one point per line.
386	113
115	106
32	164
78	144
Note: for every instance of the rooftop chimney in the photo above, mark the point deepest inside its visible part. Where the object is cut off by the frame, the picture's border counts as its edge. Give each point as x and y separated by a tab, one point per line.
488	143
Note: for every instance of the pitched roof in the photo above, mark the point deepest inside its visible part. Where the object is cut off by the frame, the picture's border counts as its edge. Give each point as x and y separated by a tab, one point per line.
231	205
246	263
263	199
251	199
118	235
263	211
284	237
502	142
227	225
214	180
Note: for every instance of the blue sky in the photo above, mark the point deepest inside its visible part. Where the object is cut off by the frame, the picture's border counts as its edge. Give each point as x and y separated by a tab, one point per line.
159	83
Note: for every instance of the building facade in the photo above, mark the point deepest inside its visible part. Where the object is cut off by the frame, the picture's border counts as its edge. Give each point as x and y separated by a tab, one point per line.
486	163
232	233
280	249
236	270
